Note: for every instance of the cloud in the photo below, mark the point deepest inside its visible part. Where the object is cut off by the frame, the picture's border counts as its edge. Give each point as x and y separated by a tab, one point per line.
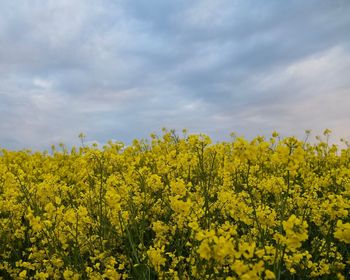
123	69
317	96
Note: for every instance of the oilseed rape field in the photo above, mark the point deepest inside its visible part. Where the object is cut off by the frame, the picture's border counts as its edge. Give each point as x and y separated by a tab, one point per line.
177	207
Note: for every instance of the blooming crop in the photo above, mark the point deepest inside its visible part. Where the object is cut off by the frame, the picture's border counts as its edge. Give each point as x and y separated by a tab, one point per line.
177	207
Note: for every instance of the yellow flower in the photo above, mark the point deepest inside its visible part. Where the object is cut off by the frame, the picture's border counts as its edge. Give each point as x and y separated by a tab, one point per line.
41	275
23	274
269	274
296	232
70	275
178	187
342	232
239	267
226	210
204	250
156	257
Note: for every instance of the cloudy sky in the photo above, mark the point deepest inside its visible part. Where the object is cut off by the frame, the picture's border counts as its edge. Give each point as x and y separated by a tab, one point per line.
124	69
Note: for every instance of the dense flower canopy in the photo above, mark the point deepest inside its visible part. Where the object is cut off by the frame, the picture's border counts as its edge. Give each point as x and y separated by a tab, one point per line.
177	207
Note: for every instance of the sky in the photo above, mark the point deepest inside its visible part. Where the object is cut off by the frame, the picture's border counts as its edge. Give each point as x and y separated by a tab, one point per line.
124	69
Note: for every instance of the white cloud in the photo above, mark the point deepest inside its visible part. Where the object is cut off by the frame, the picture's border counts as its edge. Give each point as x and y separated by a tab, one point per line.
210	14
313	93
42	83
120	69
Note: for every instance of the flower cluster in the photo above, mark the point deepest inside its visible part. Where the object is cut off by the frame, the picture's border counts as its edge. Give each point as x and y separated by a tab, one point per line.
177	207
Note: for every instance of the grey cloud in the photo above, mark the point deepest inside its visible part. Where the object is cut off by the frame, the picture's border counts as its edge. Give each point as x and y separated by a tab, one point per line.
127	68
317	97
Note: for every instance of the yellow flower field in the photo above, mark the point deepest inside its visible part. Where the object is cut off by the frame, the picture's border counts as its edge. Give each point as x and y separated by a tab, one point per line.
177	207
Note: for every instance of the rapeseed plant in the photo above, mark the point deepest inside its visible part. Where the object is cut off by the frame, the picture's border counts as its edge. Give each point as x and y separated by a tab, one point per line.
177	207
